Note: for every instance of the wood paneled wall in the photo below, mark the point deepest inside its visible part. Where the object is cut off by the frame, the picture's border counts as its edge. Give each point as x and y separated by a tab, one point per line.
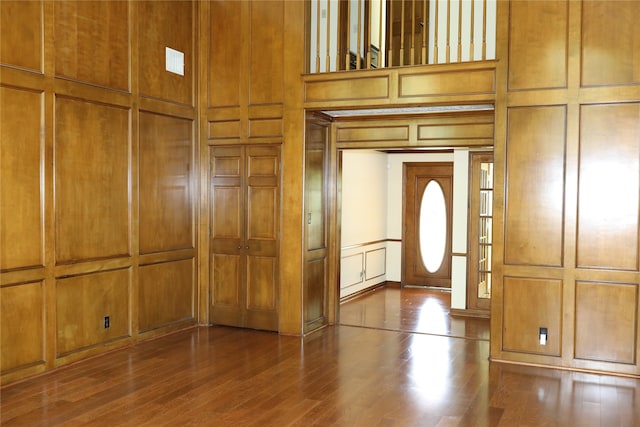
251	94
568	185
98	178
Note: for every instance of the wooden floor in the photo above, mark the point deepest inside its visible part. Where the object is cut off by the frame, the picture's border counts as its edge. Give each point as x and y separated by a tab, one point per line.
411	310
343	375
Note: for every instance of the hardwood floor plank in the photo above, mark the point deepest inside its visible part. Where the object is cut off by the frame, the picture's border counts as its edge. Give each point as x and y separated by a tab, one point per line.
339	376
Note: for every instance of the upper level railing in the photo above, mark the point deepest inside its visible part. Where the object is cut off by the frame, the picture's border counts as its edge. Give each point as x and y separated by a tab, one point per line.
365	34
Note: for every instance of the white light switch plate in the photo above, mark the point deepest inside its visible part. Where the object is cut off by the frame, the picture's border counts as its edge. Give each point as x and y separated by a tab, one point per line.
174	61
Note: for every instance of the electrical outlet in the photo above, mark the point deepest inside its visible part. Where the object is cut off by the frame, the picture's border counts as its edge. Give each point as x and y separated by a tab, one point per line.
107	322
543	334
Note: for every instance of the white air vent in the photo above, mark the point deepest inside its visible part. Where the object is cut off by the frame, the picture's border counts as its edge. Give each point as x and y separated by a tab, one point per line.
174	61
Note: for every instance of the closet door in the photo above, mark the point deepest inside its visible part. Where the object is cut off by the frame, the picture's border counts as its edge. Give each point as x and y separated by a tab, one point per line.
244	233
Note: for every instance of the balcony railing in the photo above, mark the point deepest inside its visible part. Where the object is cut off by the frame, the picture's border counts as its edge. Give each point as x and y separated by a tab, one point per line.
365	34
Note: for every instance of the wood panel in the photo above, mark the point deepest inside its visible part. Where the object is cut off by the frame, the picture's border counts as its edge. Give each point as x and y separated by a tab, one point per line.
373	132
531	304
22	317
261	128
166	294
166	24
471	130
262	283
610	41
21	179
315	300
83	301
266	65
609	186
226	67
92	42
22	28
92	198
535	186
446	83
606	321
166	164
347	89
538	30
224	129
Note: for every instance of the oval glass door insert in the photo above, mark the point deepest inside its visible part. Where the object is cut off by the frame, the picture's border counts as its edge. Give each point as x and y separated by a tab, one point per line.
433	226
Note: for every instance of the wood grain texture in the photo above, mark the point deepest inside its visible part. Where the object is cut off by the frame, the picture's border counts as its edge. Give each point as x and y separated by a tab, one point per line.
606	321
531	304
343	376
92	195
226	70
610	39
92	42
82	302
166	295
166	187
539	29
22	325
266	65
22	29
166	24
609	186
21	179
535	186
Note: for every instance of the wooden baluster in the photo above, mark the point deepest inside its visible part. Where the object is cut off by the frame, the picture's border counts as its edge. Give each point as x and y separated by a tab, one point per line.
459	30
317	36
448	59
380	61
359	35
402	35
484	31
367	47
328	59
413	32
390	52
425	31
471	34
435	37
347	63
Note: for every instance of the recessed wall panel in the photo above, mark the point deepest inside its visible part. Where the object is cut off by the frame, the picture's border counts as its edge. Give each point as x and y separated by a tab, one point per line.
226	66
166	294
261	283
538	36
21	41
21	168
92	42
606	321
165	24
82	302
22	325
166	162
530	304
535	186
91	180
609	186
610	42
266	83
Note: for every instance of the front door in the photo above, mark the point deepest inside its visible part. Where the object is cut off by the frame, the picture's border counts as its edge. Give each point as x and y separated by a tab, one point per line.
427	217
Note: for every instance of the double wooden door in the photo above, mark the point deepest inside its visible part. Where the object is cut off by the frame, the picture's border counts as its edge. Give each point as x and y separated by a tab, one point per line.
244	235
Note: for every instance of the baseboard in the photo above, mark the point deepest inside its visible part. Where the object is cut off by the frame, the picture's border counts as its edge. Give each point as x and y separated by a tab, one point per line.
365	291
462	312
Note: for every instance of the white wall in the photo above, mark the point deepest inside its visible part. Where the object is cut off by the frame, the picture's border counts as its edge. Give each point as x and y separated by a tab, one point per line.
373	180
364	220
